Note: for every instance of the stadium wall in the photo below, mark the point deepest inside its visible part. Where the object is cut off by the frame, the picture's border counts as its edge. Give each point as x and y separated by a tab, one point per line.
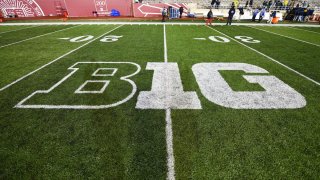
83	8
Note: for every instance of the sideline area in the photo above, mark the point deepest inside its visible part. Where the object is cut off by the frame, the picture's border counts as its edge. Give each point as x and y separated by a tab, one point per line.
153	23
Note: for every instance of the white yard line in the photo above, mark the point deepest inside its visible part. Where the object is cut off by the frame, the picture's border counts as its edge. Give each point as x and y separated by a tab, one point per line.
165	44
286	36
305	30
36	37
153	23
169	133
29	74
18	29
270	58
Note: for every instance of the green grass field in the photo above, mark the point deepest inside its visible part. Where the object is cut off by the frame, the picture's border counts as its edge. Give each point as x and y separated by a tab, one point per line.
58	122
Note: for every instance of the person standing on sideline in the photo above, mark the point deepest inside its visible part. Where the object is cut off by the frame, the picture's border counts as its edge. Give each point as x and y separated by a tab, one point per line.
164	14
1	17
181	11
262	14
209	18
241	12
232	11
254	14
65	16
272	15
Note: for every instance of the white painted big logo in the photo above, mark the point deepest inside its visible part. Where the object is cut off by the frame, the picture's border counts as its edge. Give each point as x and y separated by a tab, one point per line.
167	90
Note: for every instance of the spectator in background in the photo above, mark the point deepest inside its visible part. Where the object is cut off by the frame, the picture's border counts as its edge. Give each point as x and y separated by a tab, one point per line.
304	4
285	3
232	11
213	2
262	14
254	14
250	3
269	5
232	4
240	12
209	18
218	4
265	3
181	11
247	2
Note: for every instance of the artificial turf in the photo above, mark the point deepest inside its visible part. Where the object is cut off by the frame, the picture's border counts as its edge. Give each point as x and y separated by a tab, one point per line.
124	142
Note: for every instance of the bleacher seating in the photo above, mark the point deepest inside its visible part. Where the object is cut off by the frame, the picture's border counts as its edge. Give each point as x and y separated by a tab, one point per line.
226	3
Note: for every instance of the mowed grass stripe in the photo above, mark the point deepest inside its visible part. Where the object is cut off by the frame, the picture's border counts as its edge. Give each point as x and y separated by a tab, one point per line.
116	143
302	37
314	29
28	56
13	29
28	33
305	30
35	37
4	28
218	142
296	55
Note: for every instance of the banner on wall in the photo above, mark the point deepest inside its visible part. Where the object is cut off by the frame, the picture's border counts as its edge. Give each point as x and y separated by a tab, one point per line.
101	7
154	10
20	8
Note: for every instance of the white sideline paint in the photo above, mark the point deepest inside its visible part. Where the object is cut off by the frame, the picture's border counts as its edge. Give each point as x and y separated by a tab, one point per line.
27	75
165	44
169	133
304	30
73	69
153	23
36	37
286	36
276	94
169	140
268	57
18	29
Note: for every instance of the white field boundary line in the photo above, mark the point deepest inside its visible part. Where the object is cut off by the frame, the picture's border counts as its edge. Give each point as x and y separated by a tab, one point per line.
270	58
18	29
154	23
37	37
68	53
304	30
286	36
169	133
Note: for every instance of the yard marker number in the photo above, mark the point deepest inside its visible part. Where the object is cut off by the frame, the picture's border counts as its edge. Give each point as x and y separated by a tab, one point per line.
221	39
82	38
106	39
246	39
